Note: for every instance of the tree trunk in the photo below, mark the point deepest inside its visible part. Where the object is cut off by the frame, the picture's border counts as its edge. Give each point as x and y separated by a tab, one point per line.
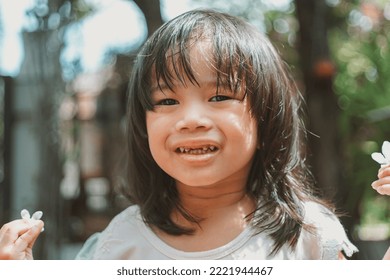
35	155
6	90
323	111
36	163
152	12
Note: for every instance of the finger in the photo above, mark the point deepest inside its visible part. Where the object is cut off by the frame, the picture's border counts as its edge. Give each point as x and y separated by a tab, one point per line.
27	239
12	230
383	189
384	171
380	182
40	225
387	255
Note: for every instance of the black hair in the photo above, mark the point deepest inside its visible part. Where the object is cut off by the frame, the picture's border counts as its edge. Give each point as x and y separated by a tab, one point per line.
279	178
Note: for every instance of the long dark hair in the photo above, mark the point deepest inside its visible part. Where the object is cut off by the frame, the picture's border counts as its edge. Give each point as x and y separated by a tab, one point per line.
279	178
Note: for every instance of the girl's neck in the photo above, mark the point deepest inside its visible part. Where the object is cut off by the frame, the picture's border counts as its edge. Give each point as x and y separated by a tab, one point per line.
211	203
205	207
222	214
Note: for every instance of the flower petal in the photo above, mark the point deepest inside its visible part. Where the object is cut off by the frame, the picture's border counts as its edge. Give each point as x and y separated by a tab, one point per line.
386	150
37	215
25	214
379	158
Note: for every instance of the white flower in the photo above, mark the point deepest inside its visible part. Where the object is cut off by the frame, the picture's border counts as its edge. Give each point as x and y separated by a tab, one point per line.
384	157
35	217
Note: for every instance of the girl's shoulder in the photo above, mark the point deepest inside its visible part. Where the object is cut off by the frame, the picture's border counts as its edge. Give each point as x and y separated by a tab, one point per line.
328	235
113	238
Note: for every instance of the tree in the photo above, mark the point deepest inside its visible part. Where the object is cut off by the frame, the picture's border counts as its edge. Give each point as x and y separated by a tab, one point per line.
36	161
323	111
152	12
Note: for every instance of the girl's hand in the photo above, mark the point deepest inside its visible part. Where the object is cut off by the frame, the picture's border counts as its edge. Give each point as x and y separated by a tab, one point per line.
387	255
17	239
382	185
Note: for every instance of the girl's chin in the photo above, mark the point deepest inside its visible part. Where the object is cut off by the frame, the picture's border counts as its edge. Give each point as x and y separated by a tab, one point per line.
196	182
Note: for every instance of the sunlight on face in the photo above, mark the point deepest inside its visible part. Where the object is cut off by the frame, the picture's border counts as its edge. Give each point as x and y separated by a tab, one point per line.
199	136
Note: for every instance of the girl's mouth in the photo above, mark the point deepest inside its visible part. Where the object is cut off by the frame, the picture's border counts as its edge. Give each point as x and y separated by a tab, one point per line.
197	151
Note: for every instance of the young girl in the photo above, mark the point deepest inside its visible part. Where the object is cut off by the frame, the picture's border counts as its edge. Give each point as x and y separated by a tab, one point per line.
216	163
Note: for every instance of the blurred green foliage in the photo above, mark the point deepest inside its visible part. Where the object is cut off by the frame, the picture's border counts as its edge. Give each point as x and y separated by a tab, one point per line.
361	49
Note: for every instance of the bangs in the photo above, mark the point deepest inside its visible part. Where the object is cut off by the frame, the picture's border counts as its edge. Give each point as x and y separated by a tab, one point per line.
176	67
224	49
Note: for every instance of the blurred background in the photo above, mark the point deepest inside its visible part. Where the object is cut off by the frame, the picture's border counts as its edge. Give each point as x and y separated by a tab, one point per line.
64	68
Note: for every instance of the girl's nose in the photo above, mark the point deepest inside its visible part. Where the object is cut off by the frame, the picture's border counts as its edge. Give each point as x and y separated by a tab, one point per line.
193	118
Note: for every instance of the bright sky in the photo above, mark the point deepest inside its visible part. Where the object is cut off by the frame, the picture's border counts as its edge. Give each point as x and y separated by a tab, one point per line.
107	29
10	43
90	39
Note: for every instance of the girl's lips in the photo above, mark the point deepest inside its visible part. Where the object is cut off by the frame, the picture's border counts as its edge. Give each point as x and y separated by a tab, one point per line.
185	145
197	152
197	157
200	150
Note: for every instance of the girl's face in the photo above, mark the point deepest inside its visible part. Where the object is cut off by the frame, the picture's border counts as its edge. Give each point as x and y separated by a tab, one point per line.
199	137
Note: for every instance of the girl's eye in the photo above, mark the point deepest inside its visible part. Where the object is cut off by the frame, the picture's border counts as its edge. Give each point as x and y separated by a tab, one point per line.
167	102
219	98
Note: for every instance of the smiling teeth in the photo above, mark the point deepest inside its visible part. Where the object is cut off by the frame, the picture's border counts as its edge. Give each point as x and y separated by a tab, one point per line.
197	151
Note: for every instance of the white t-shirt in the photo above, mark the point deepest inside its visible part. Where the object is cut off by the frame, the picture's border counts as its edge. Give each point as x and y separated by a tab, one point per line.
128	237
